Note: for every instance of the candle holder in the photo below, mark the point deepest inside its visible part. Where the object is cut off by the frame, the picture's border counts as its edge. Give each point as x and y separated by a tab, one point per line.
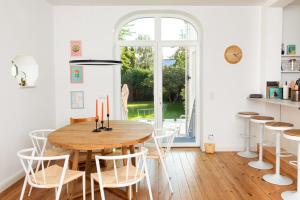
108	128
102	127
97	129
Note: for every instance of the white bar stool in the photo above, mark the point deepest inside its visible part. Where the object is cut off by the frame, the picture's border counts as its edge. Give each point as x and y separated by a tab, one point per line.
276	178
294	135
247	153
260	164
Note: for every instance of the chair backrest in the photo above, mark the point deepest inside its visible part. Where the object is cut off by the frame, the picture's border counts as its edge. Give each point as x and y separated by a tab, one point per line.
132	175
164	138
39	140
29	160
79	120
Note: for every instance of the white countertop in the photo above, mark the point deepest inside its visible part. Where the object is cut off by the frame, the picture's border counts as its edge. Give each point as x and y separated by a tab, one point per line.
282	102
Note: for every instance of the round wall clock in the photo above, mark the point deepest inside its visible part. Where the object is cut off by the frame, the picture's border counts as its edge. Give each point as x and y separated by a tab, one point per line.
233	54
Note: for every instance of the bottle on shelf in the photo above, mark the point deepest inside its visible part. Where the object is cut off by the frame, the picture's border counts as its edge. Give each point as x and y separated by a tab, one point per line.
286	91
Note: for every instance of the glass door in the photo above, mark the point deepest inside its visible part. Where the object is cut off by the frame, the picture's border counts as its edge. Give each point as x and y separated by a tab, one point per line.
178	91
138	73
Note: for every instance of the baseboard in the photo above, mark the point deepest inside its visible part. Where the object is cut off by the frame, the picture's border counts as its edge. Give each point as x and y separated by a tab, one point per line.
11	180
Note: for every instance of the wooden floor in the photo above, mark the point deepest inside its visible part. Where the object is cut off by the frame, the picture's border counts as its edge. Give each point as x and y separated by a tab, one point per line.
195	175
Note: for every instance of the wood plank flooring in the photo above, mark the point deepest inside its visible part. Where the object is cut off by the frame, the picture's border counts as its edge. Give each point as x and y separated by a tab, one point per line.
195	176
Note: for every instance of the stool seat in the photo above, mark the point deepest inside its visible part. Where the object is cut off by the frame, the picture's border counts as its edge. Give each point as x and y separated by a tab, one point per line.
279	126
261	119
293	134
247	114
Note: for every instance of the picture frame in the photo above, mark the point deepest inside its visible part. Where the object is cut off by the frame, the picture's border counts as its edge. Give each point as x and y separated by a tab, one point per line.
75	48
276	93
291	49
76	74
77	99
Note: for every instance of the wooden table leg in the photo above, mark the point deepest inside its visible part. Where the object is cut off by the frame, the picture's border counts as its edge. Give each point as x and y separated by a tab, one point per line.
124	152
132	151
74	167
88	164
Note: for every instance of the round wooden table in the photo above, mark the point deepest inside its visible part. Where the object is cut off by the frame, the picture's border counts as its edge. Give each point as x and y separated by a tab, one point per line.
80	137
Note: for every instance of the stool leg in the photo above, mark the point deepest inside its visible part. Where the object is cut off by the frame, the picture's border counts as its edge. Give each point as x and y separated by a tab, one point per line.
260	164
294	195
247	153
276	178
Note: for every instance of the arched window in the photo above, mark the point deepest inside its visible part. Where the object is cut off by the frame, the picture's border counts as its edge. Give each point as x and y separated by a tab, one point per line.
160	65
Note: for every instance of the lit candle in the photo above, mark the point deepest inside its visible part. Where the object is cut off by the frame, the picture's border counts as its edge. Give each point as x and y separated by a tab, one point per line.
102	111
107	104
97	109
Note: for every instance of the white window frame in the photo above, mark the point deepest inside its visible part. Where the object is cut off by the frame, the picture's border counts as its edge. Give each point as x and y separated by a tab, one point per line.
157	44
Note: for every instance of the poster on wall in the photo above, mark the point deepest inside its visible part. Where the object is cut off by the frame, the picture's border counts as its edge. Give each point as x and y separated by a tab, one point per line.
76	74
291	49
76	48
77	100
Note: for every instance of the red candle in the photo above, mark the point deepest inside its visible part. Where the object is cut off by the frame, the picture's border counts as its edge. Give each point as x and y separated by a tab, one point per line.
97	116
107	104
102	113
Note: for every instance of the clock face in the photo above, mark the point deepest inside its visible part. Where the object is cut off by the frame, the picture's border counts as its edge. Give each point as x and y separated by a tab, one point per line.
233	54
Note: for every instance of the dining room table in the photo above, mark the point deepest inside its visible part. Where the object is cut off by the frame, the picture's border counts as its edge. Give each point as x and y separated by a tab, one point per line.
80	137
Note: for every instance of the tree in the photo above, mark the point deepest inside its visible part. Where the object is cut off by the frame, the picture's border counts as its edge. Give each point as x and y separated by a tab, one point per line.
128	58
179	57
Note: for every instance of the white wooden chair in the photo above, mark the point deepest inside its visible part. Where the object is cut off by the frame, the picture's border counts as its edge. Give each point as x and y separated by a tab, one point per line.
121	176
163	140
53	176
39	140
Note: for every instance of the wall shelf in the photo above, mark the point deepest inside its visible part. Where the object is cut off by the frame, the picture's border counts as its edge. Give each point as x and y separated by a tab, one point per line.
290	72
290	56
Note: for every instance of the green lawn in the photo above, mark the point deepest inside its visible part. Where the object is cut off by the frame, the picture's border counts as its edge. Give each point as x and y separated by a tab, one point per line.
171	110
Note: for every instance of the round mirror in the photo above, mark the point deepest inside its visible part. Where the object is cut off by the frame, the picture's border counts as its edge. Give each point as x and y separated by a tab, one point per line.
25	70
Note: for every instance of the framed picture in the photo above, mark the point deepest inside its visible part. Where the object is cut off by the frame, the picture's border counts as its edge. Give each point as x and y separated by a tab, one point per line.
76	74
77	100
291	49
75	48
276	93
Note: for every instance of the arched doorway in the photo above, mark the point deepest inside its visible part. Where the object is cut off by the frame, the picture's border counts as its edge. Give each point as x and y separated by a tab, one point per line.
160	56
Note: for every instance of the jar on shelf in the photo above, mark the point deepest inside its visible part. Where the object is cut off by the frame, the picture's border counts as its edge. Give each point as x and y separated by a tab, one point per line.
294	65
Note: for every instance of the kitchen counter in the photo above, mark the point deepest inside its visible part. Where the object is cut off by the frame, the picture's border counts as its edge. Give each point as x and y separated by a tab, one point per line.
282	102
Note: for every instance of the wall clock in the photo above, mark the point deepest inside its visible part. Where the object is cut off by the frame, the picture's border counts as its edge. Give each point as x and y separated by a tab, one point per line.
233	54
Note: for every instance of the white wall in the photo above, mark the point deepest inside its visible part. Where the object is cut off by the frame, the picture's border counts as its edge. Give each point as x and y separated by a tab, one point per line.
26	28
291	25
225	86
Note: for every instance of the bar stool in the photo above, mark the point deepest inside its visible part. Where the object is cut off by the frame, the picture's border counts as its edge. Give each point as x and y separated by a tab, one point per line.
260	164
247	153
294	135
276	178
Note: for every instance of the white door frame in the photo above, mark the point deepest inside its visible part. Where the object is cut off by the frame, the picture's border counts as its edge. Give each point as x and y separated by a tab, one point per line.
157	45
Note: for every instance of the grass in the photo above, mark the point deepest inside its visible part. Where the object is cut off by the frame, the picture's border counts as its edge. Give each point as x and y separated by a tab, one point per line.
171	110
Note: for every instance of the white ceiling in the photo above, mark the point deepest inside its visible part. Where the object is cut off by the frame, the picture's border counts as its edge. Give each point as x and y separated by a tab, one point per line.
159	2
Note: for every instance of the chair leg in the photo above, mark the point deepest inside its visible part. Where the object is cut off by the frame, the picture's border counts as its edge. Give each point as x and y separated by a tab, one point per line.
57	192
23	188
130	192
83	186
102	192
30	190
92	188
148	183
166	173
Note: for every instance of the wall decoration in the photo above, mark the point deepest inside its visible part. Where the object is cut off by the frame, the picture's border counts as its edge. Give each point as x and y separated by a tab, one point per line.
233	54
77	99
76	48
276	93
76	74
291	49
